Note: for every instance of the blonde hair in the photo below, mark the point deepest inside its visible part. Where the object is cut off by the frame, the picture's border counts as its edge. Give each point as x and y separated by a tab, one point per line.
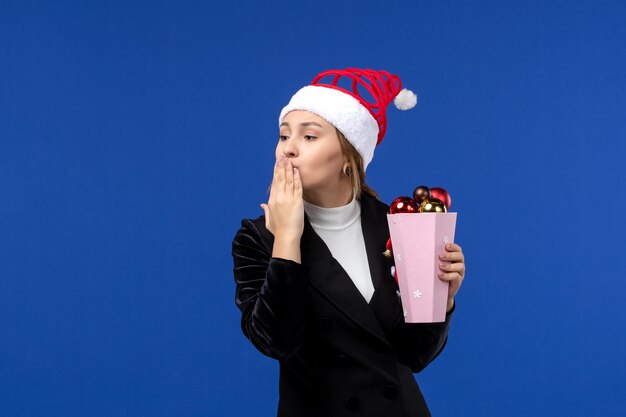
355	168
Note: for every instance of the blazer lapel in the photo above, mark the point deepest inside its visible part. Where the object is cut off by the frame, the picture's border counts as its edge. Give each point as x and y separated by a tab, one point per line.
330	279
385	302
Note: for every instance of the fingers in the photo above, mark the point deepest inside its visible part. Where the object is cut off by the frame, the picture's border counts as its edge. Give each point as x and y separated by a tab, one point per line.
456	267
266	209
297	183
453	247
293	182
452	271
453	268
279	176
286	181
276	169
288	176
274	180
450	276
452	256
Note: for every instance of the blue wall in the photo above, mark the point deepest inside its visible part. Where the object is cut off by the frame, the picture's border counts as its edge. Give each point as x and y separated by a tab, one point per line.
134	137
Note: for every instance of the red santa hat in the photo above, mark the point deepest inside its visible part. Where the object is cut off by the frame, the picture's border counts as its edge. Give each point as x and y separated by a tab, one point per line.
362	122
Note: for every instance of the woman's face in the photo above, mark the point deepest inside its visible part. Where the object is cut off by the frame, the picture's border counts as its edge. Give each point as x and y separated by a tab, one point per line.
312	145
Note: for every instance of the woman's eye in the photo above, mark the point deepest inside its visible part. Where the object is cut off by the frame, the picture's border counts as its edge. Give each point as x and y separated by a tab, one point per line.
307	137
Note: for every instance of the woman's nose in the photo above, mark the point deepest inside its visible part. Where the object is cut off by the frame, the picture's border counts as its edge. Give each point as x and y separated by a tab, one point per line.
289	149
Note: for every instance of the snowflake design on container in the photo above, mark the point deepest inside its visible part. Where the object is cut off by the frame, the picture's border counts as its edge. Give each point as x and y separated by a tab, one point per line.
399	256
417	294
445	240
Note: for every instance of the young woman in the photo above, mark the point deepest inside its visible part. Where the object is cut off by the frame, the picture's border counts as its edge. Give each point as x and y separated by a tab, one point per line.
313	286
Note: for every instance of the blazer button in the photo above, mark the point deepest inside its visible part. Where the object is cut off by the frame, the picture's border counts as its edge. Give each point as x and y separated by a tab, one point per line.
326	323
390	392
351	402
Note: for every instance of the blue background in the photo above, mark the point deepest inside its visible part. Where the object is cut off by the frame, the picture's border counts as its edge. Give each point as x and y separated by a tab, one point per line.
135	136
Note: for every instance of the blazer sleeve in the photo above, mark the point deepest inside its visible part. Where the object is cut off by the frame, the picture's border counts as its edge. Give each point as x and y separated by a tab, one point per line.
270	292
418	344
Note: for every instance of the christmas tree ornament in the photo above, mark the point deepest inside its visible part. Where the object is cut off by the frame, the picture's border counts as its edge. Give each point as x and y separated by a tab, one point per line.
433	205
441	194
403	204
421	193
389	250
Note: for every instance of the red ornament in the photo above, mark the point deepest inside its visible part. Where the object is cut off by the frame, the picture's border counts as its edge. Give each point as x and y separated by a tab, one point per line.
441	194
403	205
389	249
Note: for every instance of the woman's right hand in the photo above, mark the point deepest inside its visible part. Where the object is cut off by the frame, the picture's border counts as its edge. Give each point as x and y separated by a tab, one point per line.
284	211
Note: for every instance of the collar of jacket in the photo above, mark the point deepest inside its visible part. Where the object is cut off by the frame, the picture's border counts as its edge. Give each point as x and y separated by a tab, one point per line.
329	278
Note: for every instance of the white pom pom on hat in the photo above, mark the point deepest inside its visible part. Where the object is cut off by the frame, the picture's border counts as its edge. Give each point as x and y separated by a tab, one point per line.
405	100
362	123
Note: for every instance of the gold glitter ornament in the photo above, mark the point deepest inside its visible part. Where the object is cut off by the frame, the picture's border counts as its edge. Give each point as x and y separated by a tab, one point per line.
433	205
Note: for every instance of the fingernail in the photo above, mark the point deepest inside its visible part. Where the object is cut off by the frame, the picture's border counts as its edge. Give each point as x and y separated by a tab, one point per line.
449	246
442	265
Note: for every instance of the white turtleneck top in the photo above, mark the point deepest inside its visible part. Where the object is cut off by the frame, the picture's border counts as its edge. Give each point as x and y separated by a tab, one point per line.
340	229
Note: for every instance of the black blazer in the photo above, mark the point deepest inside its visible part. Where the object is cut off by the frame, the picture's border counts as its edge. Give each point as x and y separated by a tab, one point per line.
339	355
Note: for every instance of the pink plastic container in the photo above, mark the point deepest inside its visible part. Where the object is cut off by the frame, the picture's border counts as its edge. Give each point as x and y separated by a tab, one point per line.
417	240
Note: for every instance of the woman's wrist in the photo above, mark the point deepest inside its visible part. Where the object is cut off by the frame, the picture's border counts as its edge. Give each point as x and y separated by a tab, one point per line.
450	304
287	247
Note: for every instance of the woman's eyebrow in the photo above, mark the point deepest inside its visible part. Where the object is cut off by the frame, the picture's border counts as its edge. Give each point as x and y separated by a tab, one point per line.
305	124
310	124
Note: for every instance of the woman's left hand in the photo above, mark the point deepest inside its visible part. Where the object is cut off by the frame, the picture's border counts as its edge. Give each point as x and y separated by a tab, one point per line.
452	269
